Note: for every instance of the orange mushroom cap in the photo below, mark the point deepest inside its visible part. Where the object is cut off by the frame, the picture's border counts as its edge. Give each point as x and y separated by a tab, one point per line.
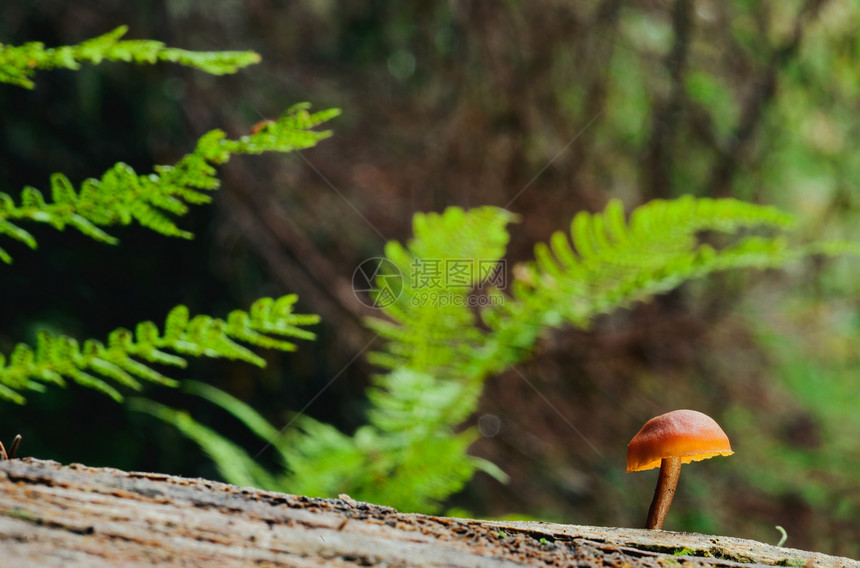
686	434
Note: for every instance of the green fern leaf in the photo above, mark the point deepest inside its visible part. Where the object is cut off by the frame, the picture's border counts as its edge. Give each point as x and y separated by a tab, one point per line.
17	233
612	263
19	63
121	360
409	456
122	196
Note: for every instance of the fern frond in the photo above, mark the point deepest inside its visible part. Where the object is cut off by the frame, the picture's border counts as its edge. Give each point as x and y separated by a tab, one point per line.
606	263
122	196
413	457
58	358
19	63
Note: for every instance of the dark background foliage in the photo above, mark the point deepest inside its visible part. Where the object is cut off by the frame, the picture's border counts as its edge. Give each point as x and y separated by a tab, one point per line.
544	108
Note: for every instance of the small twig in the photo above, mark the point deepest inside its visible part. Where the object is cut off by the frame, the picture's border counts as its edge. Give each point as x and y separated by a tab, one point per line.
13	450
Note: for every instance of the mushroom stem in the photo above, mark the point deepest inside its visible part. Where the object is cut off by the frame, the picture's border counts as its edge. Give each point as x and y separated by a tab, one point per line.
670	470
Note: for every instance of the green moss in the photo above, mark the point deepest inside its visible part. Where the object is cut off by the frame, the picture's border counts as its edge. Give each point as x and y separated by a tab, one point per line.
22	514
791	562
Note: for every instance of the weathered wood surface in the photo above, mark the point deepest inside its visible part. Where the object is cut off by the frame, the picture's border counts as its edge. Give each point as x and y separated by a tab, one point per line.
77	516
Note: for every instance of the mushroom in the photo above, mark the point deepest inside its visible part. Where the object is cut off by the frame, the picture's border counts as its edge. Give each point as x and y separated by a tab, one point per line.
668	440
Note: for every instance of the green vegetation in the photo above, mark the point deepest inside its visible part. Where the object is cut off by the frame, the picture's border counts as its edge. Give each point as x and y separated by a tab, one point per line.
540	109
440	349
120	197
19	63
438	352
56	357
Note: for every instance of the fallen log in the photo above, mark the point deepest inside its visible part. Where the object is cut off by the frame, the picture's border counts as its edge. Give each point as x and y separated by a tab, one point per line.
78	516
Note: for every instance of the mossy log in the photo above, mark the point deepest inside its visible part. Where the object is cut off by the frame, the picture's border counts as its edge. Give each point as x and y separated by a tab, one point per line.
77	516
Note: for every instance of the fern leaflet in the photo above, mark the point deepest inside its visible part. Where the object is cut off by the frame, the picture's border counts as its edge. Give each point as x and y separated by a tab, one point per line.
122	196
19	63
127	356
613	263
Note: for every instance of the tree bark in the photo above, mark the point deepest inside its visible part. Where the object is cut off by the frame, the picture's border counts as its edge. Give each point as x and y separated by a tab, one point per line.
78	516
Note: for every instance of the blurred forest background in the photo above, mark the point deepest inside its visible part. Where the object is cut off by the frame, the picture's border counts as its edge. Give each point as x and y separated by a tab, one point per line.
543	107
